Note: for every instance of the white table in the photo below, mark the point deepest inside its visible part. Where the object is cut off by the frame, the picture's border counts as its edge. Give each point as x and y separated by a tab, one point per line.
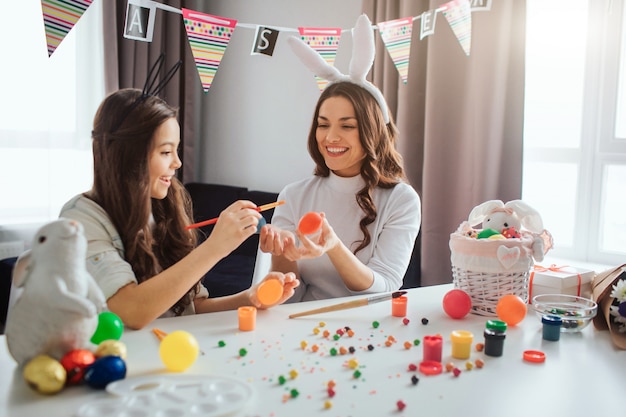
583	374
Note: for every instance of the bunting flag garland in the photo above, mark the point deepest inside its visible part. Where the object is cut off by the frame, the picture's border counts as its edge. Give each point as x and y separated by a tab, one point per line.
208	37
396	34
59	17
459	15
325	41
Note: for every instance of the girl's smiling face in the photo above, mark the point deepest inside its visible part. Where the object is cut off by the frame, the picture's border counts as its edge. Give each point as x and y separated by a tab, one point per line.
163	159
337	136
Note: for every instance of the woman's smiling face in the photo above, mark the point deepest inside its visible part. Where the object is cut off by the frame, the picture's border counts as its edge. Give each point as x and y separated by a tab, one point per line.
337	136
163	159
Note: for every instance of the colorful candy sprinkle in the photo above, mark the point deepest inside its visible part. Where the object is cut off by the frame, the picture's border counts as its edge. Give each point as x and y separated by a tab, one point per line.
282	380
328	404
356	374
243	352
405	321
415	380
401	405
375	324
424	320
293	374
456	371
479	363
480	347
221	343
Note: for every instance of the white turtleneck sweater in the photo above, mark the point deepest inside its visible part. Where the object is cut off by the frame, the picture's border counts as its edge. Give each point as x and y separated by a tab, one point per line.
393	232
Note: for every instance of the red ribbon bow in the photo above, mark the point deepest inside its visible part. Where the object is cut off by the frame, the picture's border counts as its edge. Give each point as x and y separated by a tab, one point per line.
552	268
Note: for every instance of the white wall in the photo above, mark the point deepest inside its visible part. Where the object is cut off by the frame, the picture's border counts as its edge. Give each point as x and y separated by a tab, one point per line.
259	108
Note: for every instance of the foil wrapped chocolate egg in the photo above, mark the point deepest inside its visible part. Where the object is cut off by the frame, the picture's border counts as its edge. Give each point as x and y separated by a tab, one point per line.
75	362
104	371
111	348
45	374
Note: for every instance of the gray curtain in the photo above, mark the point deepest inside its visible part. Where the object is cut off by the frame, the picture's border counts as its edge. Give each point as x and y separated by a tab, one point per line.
127	63
460	118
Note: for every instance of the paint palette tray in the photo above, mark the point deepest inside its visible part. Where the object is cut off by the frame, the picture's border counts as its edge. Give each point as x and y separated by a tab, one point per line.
171	395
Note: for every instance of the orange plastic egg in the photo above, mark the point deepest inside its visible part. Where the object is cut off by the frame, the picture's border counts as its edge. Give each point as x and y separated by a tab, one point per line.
310	223
511	309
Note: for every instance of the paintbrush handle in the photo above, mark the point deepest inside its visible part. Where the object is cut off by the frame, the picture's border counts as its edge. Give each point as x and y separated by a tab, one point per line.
335	307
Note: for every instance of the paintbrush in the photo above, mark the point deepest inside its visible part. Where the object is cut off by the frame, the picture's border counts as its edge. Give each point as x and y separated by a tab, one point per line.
214	220
350	304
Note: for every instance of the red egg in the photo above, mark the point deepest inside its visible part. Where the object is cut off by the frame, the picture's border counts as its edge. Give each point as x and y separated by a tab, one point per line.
310	223
75	362
457	303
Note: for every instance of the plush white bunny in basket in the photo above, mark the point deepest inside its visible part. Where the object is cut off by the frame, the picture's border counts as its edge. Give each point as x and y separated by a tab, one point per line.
495	260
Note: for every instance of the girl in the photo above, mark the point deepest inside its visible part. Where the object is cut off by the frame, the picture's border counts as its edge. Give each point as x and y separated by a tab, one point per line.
145	261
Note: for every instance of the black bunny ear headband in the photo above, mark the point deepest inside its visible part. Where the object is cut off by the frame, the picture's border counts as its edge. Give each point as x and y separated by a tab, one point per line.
149	87
363	51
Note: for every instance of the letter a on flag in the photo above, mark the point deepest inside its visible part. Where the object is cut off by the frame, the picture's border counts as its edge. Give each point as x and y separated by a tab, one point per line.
59	17
208	36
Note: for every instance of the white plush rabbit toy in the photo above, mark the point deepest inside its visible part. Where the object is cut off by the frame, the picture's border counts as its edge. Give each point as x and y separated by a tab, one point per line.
57	310
515	217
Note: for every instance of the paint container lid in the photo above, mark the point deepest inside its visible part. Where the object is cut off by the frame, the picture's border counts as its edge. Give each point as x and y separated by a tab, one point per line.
269	292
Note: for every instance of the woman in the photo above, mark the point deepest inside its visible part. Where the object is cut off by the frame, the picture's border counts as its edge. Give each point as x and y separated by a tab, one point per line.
145	261
359	185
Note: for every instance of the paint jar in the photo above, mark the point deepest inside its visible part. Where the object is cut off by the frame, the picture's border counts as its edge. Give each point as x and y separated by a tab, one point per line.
247	318
494	342
551	327
432	348
398	306
461	343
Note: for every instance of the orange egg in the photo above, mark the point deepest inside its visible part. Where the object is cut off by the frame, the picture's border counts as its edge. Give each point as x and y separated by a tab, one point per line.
511	309
310	223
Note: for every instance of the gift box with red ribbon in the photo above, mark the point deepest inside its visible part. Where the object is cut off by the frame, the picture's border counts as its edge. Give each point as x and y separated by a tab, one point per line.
556	279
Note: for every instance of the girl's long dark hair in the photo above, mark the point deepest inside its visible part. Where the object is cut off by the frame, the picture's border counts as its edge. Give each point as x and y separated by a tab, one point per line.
122	186
382	166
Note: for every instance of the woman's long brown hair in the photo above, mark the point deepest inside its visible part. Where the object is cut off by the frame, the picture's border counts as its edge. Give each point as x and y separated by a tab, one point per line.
382	166
122	186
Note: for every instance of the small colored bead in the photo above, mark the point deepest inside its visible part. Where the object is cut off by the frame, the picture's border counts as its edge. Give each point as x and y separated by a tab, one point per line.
401	405
412	367
343	350
336	337
370	347
293	374
328	404
406	321
326	333
340	332
449	366
416	342
356	374
321	324
424	320
408	345
316	331
351	349
391	339
480	347
456	371
388	343
303	344
333	352
314	348
282	380
415	380
350	332
469	365
243	352
294	393
221	343
479	363
331	384
353	364
375	324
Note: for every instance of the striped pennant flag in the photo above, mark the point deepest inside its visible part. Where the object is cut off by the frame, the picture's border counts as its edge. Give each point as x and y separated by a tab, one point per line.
458	13
208	36
325	41
396	35
59	17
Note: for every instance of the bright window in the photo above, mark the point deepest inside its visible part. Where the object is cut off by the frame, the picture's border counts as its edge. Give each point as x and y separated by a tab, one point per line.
47	108
575	126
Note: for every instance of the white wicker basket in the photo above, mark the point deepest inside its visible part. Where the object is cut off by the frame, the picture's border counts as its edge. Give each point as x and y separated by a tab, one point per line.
489	269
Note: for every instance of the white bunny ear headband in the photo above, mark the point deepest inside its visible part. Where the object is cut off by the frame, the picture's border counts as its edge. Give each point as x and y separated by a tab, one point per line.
363	51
